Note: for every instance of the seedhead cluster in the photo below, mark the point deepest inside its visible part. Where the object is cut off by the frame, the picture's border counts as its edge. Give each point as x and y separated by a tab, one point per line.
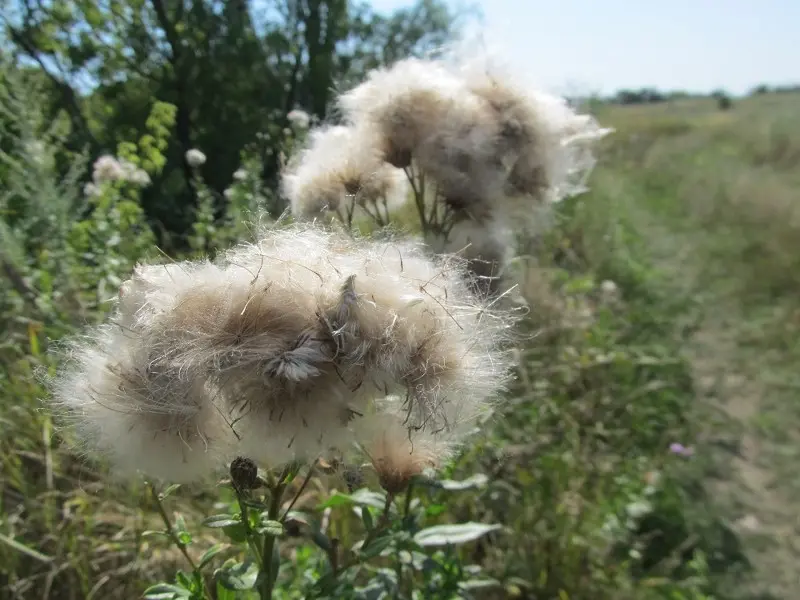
298	346
312	340
479	152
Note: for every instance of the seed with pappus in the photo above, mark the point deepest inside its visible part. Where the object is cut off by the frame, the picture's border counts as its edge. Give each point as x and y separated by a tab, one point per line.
278	351
398	453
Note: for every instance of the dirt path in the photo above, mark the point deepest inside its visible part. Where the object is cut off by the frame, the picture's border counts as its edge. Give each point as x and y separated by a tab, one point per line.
746	493
733	391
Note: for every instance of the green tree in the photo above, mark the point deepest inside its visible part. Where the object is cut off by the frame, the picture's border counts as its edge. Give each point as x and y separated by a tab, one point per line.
233	69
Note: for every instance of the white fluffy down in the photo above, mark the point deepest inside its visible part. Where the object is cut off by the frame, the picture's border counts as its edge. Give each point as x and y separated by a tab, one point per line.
276	349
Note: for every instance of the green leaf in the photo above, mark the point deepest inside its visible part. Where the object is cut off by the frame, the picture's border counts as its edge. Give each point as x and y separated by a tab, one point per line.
185	581
238	576
478	584
180	523
166	591
435	509
361	497
443	535
236	533
269	527
20	547
335	501
366	517
320	539
209	554
477	481
369	498
376	546
218	521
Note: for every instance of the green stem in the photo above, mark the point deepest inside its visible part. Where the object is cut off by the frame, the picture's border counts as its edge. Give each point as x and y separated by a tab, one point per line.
409	497
175	539
248	530
268	577
301	490
380	526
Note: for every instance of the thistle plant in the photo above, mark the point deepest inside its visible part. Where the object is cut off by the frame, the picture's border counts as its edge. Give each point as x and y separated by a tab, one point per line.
306	346
315	359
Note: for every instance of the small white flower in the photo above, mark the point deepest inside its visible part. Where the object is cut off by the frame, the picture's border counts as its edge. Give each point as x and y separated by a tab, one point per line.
228	193
609	291
195	158
609	287
140	177
90	190
107	168
299	118
37	151
240	175
638	509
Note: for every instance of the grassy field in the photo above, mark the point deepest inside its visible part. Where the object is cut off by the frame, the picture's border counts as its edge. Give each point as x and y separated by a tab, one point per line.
664	311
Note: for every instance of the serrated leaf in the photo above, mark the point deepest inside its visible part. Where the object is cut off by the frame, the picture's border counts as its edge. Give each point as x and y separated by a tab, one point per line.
217	521
209	554
443	535
166	591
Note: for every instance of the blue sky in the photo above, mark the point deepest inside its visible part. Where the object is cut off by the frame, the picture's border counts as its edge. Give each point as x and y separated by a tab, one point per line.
600	46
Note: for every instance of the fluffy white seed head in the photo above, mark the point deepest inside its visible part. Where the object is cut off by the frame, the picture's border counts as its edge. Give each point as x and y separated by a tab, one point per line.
273	349
137	413
552	144
484	136
398	454
195	158
486	243
423	111
342	168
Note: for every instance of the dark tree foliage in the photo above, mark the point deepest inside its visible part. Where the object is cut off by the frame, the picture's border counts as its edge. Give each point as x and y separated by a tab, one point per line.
232	68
